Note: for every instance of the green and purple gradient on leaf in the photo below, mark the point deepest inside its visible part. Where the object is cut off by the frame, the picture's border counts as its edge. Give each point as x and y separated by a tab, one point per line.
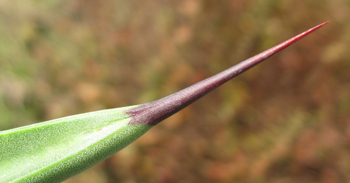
55	150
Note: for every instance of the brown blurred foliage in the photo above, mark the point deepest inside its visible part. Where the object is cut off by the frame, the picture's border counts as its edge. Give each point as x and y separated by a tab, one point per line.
286	120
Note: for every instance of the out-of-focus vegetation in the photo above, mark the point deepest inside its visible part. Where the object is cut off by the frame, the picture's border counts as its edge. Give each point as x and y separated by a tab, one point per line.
286	120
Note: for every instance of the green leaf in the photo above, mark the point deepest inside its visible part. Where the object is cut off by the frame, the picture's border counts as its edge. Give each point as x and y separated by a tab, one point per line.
55	150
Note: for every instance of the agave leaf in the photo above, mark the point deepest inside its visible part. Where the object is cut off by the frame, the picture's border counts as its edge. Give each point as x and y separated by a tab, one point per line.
55	150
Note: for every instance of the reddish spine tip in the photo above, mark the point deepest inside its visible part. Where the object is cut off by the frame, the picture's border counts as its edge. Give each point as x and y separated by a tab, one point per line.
153	112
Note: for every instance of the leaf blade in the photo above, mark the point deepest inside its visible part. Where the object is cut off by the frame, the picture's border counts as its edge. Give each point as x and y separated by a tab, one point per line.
72	144
45	151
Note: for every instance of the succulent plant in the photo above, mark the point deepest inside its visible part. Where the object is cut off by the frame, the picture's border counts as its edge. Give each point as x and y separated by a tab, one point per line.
55	150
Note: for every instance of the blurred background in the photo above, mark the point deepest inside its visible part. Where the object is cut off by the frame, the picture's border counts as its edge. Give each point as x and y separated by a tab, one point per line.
285	120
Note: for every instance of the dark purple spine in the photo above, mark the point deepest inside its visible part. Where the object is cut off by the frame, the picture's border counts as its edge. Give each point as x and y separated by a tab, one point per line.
154	112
